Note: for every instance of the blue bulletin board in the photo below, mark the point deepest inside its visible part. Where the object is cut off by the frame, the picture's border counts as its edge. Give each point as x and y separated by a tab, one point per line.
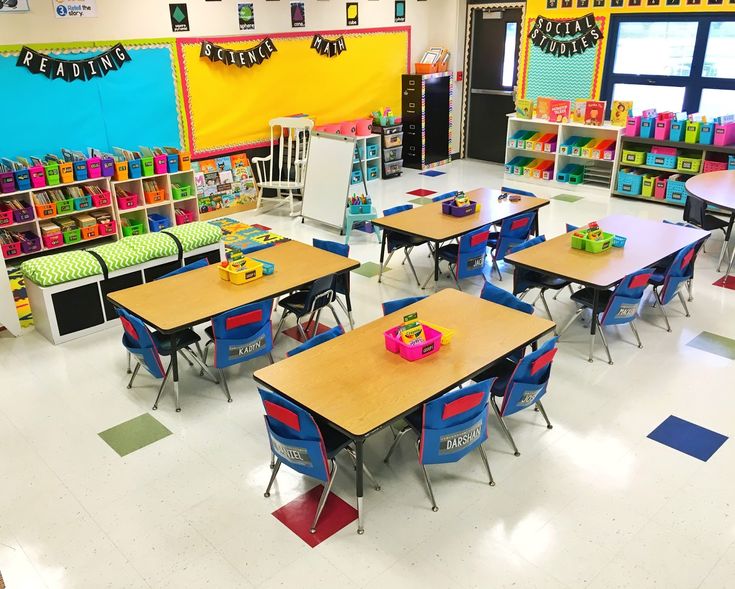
135	105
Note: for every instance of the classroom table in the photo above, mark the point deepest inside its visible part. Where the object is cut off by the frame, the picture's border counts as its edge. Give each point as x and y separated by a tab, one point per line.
173	304
379	386
429	223
647	242
717	189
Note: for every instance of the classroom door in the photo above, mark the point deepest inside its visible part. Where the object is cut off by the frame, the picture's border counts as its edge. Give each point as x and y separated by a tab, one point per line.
494	46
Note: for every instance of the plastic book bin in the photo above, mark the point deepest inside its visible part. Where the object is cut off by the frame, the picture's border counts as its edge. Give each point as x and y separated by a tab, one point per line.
52	174
10	250
53	240
102	200
24	214
66	172
94	167
82	203
157	222
23	179
32	243
46	210
160	164
72	236
121	171
179	192
127	202
64	206
6	217
432	345
7	182
108	167
38	176
109	228
90	232
133	228
155	196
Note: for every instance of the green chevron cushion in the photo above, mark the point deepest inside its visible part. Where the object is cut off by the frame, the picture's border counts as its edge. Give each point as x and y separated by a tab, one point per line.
61	267
196	235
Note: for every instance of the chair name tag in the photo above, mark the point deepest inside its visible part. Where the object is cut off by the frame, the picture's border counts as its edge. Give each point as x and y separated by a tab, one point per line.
291	453
456	441
247	348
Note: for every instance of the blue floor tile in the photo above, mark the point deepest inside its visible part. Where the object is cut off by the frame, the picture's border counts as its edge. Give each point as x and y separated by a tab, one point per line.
687	437
432	173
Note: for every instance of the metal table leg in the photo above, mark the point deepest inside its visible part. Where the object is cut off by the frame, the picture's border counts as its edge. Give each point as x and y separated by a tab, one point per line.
436	264
593	322
382	253
359	462
175	371
726	245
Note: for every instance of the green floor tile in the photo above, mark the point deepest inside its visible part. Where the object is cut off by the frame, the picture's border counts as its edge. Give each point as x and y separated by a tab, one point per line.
369	269
714	344
421	201
567	197
134	434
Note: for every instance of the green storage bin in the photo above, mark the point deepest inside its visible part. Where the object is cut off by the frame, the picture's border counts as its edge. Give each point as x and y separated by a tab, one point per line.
633	156
72	236
576	176
602	245
133	228
690	163
64	206
649	182
691	132
146	166
180	192
51	172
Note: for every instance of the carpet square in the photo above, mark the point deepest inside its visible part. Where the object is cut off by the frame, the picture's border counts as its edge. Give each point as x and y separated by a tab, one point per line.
687	437
293	332
369	269
298	515
567	197
726	282
714	344
421	201
421	192
432	173
135	434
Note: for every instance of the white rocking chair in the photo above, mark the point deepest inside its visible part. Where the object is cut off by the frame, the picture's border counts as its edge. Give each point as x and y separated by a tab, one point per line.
293	154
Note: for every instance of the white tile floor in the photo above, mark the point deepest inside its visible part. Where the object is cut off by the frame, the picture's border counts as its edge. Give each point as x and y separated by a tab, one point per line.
592	502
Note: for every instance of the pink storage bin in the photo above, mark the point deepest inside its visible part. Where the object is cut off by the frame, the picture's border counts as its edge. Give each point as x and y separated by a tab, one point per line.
331	128
38	176
431	346
363	127
6	217
127	202
662	130
659	188
632	127
160	164
94	167
184	217
107	228
101	200
10	250
661	150
53	240
712	166
348	128
724	134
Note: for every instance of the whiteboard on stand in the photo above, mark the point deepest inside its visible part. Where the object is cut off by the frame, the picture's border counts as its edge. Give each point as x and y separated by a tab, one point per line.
328	176
8	312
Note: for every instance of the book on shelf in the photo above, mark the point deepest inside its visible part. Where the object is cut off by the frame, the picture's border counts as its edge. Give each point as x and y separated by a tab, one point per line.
620	111
524	108
594	113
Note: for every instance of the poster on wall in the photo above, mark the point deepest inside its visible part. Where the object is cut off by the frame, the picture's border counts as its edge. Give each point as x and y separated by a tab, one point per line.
179	17
353	16
8	7
400	11
72	8
298	15
246	16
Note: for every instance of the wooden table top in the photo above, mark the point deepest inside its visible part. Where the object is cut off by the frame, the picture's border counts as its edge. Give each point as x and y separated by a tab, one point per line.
647	242
194	297
356	384
429	221
716	188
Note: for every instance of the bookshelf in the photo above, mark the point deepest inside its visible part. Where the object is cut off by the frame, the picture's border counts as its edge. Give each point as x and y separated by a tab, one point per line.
366	162
599	174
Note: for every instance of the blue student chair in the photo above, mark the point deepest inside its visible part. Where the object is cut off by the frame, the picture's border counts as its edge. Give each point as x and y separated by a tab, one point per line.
445	196
399	241
695	213
309	303
148	347
316	340
466	258
517	191
667	284
239	335
449	428
341	281
299	442
525	280
392	306
620	306
523	387
513	231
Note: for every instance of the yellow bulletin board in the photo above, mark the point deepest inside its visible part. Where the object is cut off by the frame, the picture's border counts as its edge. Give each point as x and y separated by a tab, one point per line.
228	107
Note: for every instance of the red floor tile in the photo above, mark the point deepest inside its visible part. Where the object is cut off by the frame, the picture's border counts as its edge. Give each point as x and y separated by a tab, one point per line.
294	332
298	515
726	282
421	192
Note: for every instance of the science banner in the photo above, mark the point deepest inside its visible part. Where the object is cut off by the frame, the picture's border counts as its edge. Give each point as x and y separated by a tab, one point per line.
247	58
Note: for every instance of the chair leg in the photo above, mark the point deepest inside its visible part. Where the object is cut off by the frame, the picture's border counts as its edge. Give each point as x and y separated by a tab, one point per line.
135	373
604	341
546	307
690	284
394	445
722	254
385	265
635	332
684	303
301	330
543	412
129	358
568	323
206	351
188	360
410	263
323	498
163	384
199	351
365	469
487	465
273	460
275	468
225	388
204	368
426	478
592	346
280	325
663	311
497	269
334	313
505	427
270	357
349	315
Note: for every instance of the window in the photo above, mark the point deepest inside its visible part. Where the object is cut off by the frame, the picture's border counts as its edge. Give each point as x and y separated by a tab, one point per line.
509	56
678	62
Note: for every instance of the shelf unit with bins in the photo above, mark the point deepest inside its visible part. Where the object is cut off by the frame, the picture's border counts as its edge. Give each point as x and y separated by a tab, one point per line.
646	143
367	165
165	208
600	174
392	150
33	224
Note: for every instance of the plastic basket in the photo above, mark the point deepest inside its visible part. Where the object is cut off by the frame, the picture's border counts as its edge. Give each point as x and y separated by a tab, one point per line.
72	236
633	156
268	267
252	270
10	250
32	243
82	203
157	222
447	333
64	206
179	192
660	160
432	345
6	217
450	209
101	200
619	241
155	196
689	163
590	245
109	228
133	228
127	202
90	232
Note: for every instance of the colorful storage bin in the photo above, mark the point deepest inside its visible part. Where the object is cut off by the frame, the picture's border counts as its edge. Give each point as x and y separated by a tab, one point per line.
127	202
629	182
157	222
252	270
432	345
691	163
133	227
634	156
449	208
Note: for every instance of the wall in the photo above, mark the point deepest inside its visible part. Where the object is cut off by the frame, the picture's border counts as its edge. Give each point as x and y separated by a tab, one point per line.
568	77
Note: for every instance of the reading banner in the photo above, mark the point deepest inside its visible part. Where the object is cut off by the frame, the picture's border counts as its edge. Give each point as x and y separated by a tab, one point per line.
73	69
